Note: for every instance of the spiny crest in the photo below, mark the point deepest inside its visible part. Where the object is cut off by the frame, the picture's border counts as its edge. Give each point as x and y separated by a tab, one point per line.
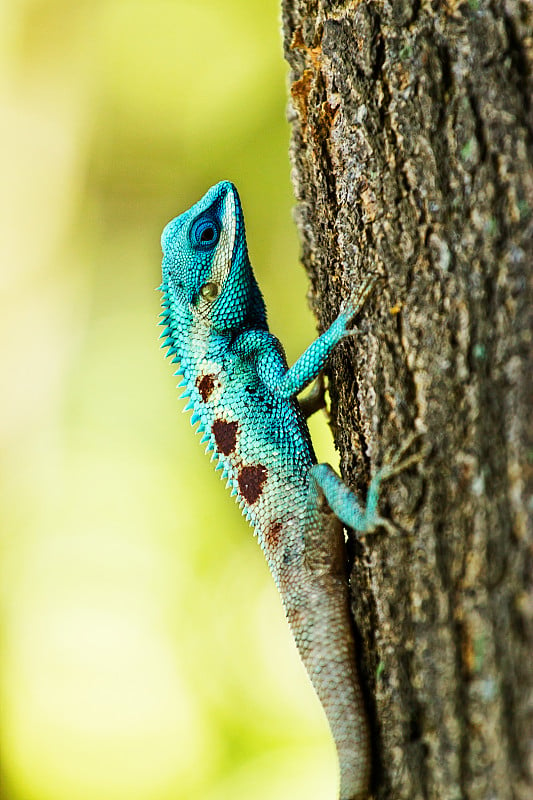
168	322
208	286
222	463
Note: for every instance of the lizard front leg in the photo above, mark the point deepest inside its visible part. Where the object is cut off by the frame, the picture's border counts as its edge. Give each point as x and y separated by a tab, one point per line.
313	360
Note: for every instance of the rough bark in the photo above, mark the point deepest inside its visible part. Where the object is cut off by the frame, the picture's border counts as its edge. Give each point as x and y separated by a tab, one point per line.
412	144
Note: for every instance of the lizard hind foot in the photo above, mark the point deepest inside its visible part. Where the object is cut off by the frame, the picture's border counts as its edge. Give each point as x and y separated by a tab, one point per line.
394	461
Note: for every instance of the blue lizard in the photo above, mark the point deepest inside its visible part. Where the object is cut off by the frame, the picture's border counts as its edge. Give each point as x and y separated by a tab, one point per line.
242	394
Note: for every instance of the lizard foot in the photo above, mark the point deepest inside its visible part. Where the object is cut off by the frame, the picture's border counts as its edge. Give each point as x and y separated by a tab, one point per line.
393	464
353	305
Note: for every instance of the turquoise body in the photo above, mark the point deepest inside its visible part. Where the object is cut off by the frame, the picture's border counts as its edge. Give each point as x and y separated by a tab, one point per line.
243	398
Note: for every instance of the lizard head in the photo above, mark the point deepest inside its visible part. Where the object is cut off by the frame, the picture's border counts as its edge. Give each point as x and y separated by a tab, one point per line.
206	269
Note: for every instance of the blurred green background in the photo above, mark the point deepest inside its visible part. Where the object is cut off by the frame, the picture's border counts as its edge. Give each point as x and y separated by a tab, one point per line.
144	651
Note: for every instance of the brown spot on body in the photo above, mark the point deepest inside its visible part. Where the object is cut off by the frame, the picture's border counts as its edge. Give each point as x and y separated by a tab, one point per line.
251	480
205	385
225	434
272	533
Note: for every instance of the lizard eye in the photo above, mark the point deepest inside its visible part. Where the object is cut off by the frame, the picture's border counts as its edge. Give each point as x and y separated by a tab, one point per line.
204	233
210	291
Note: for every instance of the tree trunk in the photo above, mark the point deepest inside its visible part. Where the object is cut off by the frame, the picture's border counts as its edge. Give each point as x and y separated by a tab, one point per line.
412	150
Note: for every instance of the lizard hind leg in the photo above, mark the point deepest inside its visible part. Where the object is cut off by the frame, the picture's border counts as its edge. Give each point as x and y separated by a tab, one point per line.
326	640
344	503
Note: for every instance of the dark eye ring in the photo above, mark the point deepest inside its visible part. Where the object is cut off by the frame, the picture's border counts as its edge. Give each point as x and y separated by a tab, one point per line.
204	233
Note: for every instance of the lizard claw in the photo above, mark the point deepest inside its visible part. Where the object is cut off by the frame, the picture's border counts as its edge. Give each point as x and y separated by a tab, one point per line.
359	296
395	462
392	465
